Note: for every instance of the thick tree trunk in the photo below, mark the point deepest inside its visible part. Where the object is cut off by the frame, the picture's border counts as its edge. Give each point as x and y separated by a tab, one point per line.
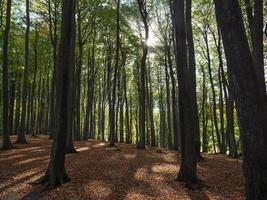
249	97
187	171
6	137
56	174
192	68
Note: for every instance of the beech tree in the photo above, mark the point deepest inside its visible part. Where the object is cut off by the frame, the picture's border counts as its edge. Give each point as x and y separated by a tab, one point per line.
56	173
249	96
22	131
187	171
6	137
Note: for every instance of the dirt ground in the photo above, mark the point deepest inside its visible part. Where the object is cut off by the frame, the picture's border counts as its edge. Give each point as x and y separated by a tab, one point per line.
100	172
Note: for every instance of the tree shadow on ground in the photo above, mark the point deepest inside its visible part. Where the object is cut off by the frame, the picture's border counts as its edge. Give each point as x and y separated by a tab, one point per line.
99	172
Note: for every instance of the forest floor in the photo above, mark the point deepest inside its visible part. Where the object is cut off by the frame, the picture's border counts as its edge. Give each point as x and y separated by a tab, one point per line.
100	172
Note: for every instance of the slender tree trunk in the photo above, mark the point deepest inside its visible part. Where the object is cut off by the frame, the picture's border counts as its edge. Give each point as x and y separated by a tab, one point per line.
12	102
167	82
204	113
21	134
213	92
32	129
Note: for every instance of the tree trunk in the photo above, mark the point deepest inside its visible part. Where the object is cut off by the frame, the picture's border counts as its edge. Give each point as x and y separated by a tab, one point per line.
187	171
12	102
6	137
213	91
142	100
192	69
56	173
252	112
21	134
204	113
167	82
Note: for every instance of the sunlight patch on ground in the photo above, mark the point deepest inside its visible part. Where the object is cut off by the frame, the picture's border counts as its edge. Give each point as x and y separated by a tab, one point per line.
32	160
164	168
12	157
83	149
129	156
100	144
141	174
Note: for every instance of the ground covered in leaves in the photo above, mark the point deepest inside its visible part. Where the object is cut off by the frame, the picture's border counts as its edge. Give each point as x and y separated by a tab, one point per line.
100	172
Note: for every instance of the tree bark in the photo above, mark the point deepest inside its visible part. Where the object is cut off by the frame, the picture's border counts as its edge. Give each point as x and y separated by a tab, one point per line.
6	137
142	101
56	173
249	97
192	69
21	134
187	171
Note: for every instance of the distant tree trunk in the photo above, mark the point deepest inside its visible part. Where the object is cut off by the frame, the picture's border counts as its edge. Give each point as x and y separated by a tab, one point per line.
212	129
12	102
205	35
192	69
127	118
150	107
6	137
121	121
103	106
56	174
187	171
167	82
204	113
162	118
17	117
230	131
32	129
222	85
249	97
21	134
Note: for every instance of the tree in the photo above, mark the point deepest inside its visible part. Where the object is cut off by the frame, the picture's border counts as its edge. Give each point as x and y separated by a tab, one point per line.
21	134
114	89
187	171
252	112
192	69
6	138
142	99
56	173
